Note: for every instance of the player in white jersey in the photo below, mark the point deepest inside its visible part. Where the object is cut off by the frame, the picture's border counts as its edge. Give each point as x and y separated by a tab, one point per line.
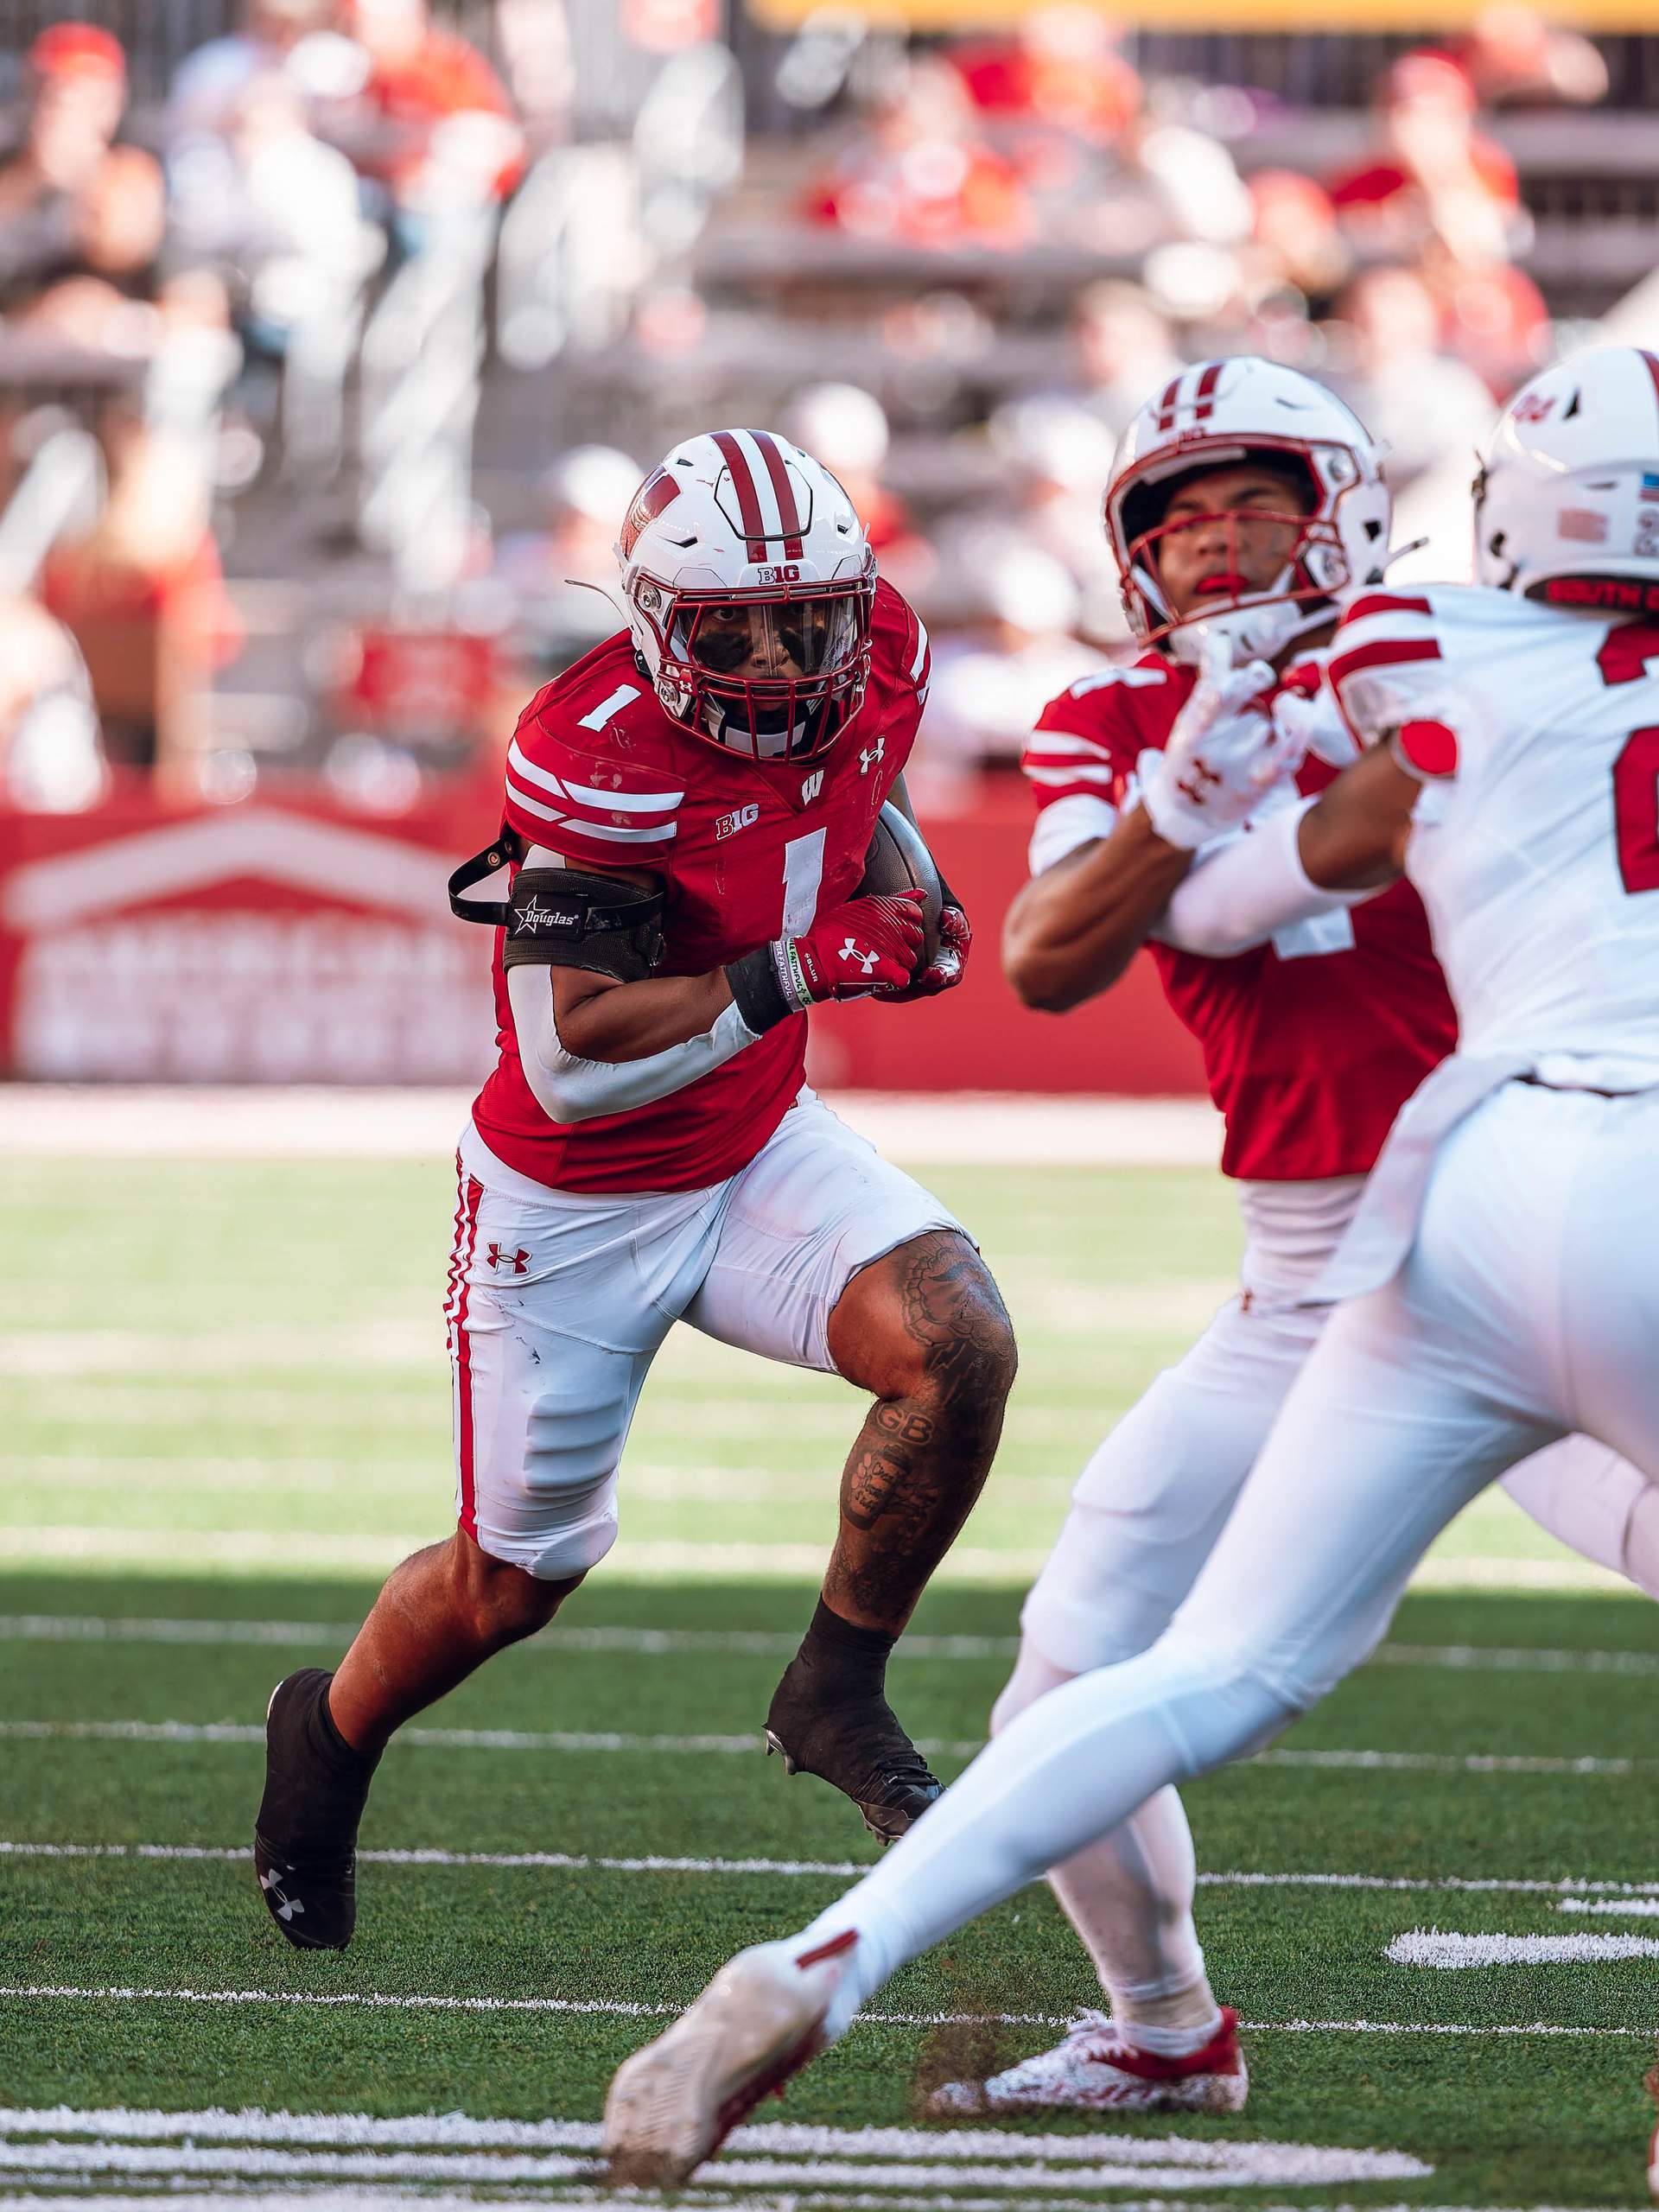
1501	1275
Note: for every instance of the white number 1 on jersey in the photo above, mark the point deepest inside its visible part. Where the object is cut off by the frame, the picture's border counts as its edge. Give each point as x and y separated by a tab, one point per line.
803	878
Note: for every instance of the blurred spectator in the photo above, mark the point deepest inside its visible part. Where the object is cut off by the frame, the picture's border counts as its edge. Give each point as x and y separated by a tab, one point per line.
1058	457
77	209
143	595
922	174
279	209
1492	316
51	755
846	429
990	685
435	126
1062	70
533	39
561	577
294	38
1435	175
1513	57
1297	240
1125	349
1422	404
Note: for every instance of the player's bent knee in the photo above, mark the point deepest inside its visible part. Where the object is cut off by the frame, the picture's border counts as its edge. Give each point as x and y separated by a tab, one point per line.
1034	1677
507	1598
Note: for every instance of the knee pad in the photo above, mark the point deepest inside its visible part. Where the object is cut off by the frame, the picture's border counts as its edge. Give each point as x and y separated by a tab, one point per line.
1033	1676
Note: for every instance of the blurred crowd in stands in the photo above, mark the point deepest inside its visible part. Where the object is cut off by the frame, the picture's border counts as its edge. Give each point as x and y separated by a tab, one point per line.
165	278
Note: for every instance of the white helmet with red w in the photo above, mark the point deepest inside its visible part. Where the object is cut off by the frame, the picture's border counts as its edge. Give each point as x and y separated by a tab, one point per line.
1220	414
1566	502
749	584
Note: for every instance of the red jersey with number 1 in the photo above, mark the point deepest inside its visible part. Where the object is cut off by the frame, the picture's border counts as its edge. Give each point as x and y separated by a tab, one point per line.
1312	1043
747	850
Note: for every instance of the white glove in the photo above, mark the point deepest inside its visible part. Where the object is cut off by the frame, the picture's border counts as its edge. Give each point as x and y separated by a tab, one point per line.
1223	753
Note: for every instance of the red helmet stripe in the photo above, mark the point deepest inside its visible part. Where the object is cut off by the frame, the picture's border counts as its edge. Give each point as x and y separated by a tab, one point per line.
748	499
1166	404
1203	404
789	513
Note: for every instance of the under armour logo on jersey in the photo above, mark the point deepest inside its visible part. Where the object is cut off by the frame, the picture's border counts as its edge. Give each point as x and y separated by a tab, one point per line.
811	786
285	1907
518	1261
867	961
867	758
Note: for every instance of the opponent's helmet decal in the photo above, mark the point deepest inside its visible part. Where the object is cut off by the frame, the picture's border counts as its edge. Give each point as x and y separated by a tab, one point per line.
750	585
1567	498
1335	521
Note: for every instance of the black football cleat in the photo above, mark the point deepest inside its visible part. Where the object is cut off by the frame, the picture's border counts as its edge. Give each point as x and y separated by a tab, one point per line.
305	1836
858	1747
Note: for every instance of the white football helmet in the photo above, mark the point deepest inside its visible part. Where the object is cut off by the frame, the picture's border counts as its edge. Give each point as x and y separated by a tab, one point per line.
1217	415
1566	502
749	584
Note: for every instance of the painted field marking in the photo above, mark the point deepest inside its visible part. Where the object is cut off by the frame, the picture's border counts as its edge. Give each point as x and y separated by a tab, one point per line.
1435	1946
39	1992
670	1642
610	1741
1572	1893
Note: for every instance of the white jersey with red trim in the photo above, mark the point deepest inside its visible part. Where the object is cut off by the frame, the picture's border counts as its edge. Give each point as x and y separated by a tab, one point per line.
1536	844
747	850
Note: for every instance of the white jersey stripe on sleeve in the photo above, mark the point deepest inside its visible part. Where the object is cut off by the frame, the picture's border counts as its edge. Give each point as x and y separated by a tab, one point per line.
1069	772
1041	742
916	665
587	794
560	819
1068	822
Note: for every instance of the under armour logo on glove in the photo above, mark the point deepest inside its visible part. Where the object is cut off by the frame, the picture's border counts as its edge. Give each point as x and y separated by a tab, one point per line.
868	961
1223	754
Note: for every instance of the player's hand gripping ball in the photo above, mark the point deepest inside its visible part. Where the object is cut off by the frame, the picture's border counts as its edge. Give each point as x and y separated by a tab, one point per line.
898	861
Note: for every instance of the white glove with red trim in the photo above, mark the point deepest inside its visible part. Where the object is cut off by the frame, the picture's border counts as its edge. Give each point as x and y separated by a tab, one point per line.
1223	753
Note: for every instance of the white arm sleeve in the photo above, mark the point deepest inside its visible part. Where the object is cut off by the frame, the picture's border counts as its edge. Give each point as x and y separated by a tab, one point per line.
1242	888
571	1089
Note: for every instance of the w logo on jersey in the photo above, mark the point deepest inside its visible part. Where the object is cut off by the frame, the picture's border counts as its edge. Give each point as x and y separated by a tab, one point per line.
811	786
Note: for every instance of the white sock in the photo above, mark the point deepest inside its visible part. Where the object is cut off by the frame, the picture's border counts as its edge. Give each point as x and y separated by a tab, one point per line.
1070	1768
1129	1896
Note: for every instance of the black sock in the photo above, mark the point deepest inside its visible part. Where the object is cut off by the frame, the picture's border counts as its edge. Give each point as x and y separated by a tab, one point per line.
841	1657
326	1739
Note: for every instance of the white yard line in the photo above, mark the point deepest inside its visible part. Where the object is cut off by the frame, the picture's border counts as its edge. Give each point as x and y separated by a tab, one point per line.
608	1742
674	1642
1436	1946
1575	1894
65	1120
54	1993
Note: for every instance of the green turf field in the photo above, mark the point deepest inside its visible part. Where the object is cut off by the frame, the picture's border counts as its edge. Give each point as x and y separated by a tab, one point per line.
226	1411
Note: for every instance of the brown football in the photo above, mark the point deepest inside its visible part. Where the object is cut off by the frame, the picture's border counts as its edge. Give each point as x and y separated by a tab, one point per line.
898	861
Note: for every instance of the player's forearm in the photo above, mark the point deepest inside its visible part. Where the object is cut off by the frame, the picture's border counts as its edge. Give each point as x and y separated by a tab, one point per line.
1355	834
634	1021
571	1084
1073	930
1242	891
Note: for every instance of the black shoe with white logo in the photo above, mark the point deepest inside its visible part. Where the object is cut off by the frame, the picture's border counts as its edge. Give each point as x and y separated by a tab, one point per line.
305	1837
856	1745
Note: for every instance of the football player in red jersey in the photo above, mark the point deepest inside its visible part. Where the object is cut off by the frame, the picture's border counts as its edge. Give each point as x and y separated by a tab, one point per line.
690	805
1246	502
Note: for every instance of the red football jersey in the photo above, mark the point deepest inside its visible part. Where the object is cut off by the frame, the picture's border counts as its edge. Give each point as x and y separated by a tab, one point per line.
1312	1043
748	850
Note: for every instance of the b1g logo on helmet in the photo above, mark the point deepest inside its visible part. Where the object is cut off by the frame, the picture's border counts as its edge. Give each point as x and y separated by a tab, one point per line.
791	575
658	492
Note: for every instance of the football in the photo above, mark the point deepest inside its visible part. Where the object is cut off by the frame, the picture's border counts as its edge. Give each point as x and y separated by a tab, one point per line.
898	861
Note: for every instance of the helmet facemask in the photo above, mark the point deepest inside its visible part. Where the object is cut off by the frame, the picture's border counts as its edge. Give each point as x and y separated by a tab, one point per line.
773	675
1260	606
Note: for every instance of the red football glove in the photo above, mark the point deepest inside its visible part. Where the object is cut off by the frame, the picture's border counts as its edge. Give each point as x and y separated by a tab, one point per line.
855	949
943	971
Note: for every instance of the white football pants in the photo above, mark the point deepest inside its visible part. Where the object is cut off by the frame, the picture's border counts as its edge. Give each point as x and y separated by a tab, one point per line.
1527	1308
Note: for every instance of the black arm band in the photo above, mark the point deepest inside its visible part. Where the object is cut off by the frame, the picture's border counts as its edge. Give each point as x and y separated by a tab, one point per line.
557	918
562	917
757	991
